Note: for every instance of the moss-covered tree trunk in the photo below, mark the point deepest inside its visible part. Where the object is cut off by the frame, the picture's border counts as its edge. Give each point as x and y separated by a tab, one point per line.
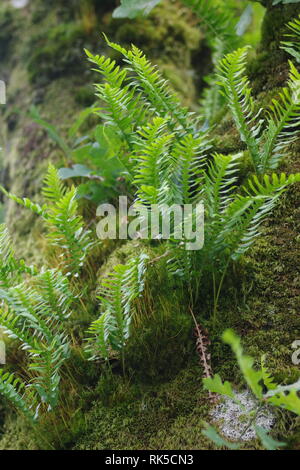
270	68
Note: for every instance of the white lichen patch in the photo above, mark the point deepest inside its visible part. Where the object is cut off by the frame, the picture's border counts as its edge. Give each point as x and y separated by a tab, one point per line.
234	421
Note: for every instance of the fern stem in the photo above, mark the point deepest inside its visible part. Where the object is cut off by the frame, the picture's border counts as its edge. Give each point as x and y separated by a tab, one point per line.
217	294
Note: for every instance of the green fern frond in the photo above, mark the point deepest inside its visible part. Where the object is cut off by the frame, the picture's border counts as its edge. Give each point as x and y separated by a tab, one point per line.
25	202
220	23
292	45
237	91
54	289
47	361
53	188
11	388
117	294
11	268
66	231
239	224
100	333
155	89
152	151
125	108
189	154
219	183
283	122
266	375
212	100
107	67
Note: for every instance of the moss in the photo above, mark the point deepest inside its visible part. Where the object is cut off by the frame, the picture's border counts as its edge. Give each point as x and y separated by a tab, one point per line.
270	69
138	417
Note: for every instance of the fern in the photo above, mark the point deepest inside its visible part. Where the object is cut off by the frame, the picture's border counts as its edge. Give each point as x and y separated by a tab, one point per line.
282	123
155	89
219	22
292	45
14	391
117	294
281	126
237	91
34	307
65	226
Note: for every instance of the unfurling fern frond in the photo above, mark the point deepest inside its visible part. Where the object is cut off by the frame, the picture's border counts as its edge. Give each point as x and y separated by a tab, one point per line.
237	91
117	294
292	45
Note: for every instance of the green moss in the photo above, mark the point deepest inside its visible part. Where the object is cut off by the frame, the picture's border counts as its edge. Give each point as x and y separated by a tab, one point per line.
142	417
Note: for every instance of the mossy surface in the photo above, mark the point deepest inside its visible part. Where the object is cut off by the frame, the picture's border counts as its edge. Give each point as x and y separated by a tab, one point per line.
159	403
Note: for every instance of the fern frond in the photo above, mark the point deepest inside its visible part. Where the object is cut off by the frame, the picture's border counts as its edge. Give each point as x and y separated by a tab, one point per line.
107	67
100	333
283	122
152	152
117	294
156	89
53	188
292	45
219	23
25	202
219	183
11	268
189	154
125	108
237	91
48	359
54	289
11	388
239	224
67	231
212	100
266	375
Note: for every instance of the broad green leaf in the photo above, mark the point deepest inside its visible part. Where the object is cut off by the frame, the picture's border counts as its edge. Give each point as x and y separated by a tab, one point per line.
285	397
75	171
214	384
133	8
